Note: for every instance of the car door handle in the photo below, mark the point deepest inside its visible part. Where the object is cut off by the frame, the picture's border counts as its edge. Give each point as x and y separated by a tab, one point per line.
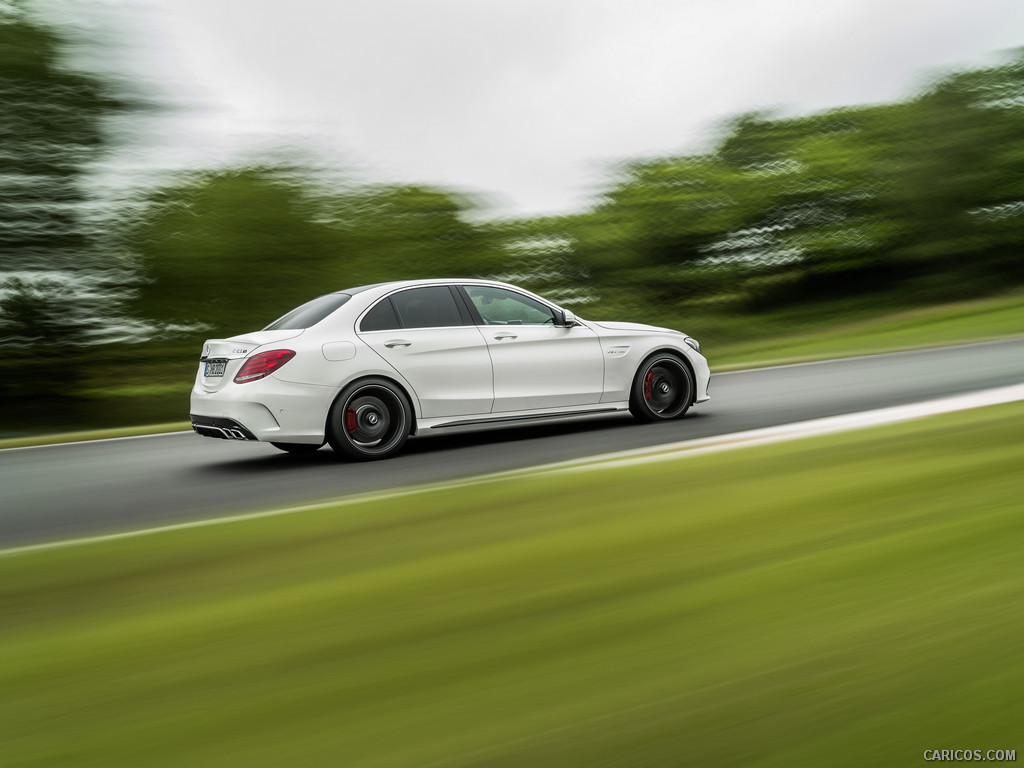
502	336
397	343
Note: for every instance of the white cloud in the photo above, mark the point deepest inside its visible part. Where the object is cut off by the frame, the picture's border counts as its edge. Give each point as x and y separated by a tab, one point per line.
526	99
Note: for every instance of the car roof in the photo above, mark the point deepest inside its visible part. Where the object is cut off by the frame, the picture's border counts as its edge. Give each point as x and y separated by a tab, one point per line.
426	281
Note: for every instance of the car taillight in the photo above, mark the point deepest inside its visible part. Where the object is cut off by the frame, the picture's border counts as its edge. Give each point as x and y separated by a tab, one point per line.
263	364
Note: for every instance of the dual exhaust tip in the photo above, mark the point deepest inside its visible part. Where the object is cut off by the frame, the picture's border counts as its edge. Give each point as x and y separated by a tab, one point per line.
224	429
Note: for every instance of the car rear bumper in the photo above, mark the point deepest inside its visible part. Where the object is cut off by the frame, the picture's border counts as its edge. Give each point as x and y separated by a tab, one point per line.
268	410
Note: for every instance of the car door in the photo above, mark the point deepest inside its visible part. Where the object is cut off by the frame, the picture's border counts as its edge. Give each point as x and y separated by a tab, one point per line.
425	335
536	363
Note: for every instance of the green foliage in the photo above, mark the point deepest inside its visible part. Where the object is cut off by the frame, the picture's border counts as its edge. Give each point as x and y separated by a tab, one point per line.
38	312
58	292
233	249
848	202
405	232
50	127
663	213
36	316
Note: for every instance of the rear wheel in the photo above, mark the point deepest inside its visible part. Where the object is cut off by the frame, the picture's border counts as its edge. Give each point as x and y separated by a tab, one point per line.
298	448
371	419
662	388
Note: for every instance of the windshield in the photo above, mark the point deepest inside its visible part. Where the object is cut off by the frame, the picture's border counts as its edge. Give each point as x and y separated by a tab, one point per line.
310	313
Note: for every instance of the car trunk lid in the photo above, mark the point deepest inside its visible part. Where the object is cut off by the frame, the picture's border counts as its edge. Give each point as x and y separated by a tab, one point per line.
221	358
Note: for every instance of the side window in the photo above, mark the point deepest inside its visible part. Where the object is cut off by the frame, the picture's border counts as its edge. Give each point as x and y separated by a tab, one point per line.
498	306
429	307
381	318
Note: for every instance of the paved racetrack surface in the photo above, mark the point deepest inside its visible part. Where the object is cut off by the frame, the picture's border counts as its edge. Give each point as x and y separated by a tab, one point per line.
64	491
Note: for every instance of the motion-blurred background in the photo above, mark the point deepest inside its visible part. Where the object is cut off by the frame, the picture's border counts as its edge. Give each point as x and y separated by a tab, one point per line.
173	171
783	179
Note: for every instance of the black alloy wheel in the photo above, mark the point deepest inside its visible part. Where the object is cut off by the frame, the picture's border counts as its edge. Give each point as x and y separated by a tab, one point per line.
662	389
371	419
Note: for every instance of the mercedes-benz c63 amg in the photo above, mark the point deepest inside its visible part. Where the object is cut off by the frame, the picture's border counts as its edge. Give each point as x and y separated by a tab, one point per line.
366	368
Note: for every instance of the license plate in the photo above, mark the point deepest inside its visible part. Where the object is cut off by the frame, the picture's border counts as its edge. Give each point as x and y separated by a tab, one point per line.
215	368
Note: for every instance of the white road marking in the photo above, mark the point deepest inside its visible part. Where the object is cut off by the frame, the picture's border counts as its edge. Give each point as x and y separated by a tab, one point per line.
796	430
784	432
182	431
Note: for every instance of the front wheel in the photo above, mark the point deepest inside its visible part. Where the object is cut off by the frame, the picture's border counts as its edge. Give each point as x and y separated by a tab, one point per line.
662	388
371	419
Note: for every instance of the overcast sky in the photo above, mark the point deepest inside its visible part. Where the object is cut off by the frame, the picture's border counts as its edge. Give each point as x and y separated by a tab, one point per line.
523	102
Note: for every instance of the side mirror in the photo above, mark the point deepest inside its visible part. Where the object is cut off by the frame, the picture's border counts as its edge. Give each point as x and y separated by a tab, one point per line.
566	319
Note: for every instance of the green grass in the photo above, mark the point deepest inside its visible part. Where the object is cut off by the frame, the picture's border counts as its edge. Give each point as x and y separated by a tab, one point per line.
958	323
94	434
850	600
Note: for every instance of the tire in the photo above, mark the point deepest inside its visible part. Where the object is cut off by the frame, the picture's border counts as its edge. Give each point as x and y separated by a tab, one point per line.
298	448
370	419
662	388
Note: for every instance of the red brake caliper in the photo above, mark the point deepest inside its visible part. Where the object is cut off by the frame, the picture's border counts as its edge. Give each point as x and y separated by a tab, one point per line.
351	424
647	385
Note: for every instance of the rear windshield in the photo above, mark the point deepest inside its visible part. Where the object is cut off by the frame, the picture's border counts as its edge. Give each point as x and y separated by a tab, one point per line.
309	314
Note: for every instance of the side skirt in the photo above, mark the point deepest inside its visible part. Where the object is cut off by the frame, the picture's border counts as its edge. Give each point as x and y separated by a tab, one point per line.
523	417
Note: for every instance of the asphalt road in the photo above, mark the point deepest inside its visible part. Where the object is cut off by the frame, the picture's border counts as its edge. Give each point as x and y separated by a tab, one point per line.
58	492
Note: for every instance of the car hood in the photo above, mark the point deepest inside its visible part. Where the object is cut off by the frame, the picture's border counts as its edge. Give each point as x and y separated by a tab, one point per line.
636	327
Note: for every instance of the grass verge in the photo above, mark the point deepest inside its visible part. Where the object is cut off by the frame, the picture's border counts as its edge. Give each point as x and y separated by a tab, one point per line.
790	337
94	434
845	600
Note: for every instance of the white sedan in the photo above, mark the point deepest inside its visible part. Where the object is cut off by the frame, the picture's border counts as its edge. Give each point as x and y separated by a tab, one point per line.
365	368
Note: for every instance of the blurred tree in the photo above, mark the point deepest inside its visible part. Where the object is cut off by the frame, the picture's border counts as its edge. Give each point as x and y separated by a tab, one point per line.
664	212
42	331
49	130
409	231
961	153
234	249
657	221
824	188
51	279
922	199
540	255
